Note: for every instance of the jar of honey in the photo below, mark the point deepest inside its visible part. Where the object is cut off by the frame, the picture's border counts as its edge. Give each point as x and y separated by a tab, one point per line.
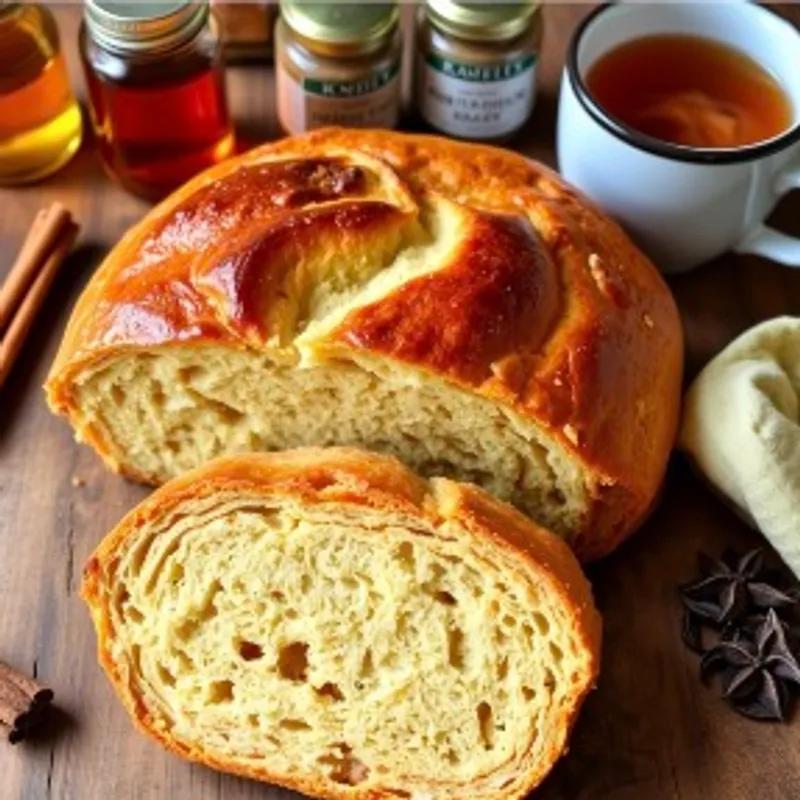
40	122
475	75
156	88
337	63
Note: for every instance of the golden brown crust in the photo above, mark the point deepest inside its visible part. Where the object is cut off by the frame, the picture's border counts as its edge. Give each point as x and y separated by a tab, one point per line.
503	292
357	477
545	307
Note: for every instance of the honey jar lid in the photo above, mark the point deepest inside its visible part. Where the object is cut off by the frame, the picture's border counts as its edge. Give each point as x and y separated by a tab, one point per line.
344	28
483	21
150	26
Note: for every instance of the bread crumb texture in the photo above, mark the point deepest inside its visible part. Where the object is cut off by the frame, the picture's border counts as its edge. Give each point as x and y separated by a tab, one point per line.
342	636
175	410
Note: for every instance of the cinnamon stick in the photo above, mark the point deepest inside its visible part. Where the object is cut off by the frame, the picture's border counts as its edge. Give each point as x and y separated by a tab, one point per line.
15	334
45	230
24	704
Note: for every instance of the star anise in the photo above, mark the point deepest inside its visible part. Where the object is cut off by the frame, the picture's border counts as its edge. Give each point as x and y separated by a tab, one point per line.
728	588
757	671
692	632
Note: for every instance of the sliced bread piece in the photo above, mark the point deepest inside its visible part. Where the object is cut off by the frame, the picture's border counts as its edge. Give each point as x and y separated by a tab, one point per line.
328	621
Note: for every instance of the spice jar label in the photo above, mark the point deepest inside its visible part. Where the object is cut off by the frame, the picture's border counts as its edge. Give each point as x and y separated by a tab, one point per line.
372	101
478	101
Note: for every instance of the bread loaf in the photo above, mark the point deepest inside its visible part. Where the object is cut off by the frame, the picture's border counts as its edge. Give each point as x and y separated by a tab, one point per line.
328	621
451	304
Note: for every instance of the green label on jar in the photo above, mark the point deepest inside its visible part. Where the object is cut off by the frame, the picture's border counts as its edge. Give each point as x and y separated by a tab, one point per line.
475	101
352	88
481	73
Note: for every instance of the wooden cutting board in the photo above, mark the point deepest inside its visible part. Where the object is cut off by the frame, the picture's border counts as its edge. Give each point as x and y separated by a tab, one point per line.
650	731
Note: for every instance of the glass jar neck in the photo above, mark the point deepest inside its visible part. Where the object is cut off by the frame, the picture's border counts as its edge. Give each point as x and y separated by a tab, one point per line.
203	41
452	44
9	14
295	54
330	49
129	43
475	26
28	39
6	9
475	37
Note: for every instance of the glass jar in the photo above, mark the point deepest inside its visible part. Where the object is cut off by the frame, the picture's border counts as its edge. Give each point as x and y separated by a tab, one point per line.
40	122
475	72
156	87
337	64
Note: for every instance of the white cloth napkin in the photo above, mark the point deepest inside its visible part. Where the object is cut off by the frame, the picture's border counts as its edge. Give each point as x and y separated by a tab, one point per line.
741	425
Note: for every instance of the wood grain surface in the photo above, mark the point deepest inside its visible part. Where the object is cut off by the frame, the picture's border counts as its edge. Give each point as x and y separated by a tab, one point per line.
650	731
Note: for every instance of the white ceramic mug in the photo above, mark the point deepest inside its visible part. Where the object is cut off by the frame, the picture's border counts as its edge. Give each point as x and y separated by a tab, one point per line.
683	205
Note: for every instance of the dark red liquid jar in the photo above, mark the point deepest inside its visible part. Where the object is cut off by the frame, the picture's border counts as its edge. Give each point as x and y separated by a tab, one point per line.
156	91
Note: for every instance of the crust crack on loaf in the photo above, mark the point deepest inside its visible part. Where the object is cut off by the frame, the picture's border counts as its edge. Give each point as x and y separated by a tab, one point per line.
328	621
454	305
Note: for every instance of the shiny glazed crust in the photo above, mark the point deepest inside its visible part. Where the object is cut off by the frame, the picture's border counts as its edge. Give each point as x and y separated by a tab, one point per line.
360	479
545	307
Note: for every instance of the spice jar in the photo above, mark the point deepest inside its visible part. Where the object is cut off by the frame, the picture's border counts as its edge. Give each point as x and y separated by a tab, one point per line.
156	88
40	122
337	64
476	66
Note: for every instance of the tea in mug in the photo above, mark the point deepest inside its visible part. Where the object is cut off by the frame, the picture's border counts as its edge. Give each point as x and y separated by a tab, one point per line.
690	90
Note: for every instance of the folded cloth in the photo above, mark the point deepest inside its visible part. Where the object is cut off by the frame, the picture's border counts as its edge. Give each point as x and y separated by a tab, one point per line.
741	426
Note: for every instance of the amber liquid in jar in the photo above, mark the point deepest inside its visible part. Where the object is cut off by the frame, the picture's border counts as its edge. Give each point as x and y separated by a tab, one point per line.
158	121
40	121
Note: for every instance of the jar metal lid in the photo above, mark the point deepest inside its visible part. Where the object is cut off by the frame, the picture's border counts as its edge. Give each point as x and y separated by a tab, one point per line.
133	26
346	27
482	21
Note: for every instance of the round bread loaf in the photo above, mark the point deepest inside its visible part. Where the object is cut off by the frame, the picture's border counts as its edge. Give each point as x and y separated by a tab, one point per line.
328	621
454	305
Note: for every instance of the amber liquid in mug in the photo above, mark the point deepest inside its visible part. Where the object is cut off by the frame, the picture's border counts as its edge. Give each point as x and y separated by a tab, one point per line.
691	91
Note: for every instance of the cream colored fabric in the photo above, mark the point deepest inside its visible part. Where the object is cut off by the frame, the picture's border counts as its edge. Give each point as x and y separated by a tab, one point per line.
742	427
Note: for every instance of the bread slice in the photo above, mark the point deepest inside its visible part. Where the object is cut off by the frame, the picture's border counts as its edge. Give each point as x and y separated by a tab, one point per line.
454	305
328	621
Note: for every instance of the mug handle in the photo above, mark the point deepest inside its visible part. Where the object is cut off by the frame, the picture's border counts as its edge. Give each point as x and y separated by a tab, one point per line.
765	241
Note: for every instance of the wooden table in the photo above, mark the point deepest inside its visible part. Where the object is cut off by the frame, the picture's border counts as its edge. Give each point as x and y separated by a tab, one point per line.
651	730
